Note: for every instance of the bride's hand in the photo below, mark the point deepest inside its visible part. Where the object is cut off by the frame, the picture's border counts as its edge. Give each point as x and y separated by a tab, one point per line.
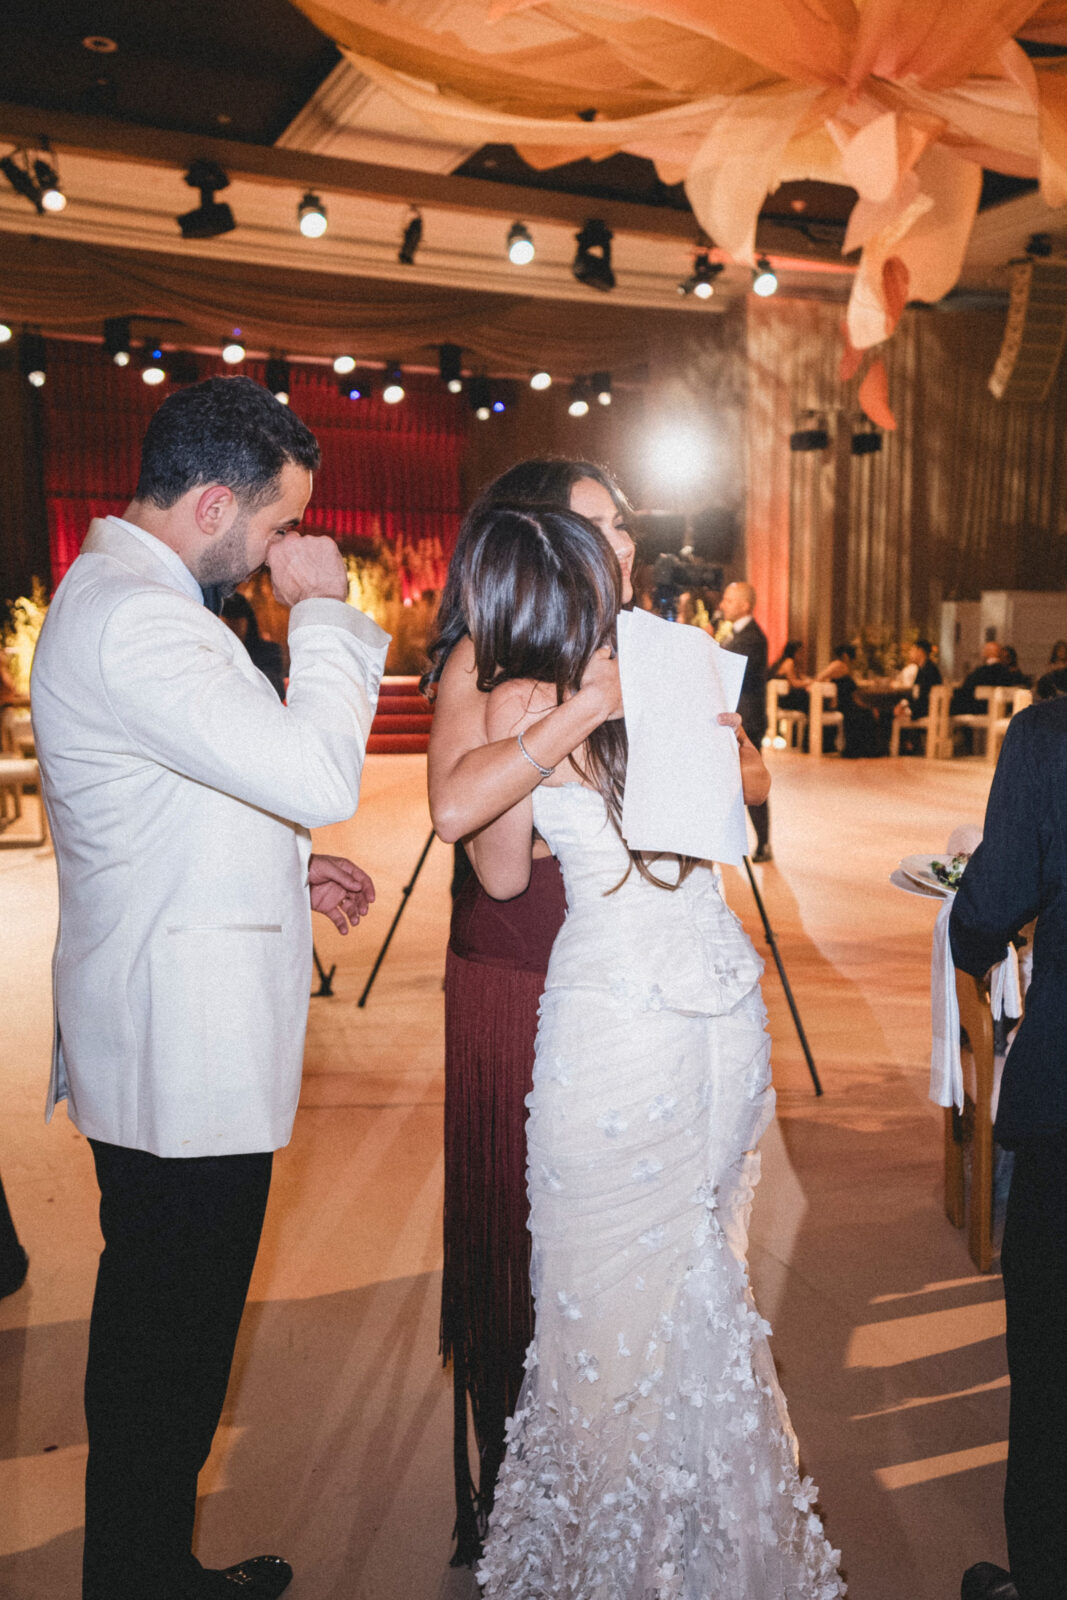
755	779
601	680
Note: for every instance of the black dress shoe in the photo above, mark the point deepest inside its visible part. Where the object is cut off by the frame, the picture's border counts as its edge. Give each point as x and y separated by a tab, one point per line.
15	1276
764	853
258	1578
987	1582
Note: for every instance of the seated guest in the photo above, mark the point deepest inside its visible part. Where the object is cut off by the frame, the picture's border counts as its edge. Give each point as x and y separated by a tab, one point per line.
1051	685
993	673
239	617
862	735
1058	655
916	704
796	697
1016	679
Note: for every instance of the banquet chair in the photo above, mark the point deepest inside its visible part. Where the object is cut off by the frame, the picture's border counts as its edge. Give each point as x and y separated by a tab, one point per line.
17	774
1020	699
786	725
973	1125
933	727
824	714
983	722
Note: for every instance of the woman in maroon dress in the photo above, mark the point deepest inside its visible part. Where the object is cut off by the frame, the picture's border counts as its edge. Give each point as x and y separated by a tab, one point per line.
495	972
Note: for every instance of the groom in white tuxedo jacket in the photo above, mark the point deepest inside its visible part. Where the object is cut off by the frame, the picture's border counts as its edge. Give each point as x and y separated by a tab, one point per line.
180	793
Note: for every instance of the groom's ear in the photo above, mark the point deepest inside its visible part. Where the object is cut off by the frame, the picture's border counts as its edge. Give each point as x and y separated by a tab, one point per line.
214	509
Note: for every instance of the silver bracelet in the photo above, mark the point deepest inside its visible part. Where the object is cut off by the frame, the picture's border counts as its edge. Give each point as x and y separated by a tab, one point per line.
546	772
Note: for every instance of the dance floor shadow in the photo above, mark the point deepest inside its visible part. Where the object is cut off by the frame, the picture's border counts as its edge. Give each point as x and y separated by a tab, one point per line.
332	1450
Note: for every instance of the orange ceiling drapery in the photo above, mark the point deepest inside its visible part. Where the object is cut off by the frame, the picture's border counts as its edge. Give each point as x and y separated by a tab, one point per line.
903	100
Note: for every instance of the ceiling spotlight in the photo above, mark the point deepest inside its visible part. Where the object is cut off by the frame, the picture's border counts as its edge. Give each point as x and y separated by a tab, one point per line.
52	196
343	365
411	240
393	392
117	340
33	359
277	378
153	371
210	217
5	332
312	215
480	398
353	388
541	379
592	260
601	382
579	402
764	279
520	246
499	406
701	281
35	180
234	351
811	433
450	366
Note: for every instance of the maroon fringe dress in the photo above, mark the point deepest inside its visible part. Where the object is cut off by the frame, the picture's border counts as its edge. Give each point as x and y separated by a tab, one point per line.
494	977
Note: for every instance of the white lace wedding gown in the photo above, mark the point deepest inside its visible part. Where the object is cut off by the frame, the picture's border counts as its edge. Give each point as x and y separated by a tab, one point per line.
650	1456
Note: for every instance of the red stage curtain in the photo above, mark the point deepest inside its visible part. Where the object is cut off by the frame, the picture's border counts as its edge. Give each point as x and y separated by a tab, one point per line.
388	472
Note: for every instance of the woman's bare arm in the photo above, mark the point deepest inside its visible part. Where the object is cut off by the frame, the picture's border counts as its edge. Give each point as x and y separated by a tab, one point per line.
501	852
755	779
476	776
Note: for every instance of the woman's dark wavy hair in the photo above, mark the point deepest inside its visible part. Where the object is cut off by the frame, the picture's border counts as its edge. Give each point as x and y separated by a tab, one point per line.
792	649
541	481
540	588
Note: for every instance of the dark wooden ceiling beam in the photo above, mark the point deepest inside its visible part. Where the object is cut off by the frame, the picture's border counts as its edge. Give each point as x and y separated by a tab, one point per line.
109	140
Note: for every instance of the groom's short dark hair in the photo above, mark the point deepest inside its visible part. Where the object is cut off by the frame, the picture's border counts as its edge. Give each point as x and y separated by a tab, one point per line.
224	430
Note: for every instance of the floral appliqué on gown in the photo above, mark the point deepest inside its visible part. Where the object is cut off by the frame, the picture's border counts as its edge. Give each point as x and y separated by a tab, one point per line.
650	1456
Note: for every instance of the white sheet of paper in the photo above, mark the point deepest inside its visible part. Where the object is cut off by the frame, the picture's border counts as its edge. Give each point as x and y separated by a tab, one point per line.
683	776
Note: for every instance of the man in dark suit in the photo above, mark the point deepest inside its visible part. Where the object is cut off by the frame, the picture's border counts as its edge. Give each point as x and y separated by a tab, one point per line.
1019	872
745	637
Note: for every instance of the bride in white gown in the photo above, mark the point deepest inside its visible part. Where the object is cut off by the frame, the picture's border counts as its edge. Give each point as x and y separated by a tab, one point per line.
650	1456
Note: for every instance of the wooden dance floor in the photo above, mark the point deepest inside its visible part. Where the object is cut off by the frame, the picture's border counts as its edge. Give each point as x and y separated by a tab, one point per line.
335	1447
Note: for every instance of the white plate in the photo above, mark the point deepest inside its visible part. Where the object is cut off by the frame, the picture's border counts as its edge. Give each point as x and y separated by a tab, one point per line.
919	868
900	880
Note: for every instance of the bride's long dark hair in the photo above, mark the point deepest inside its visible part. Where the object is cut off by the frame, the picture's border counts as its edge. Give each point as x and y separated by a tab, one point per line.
539	481
540	588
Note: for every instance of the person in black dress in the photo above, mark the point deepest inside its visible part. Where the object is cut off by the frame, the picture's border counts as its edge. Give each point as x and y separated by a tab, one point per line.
859	723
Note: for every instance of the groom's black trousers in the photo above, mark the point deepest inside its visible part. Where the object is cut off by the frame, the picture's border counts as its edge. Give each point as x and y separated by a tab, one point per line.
1034	1261
180	1241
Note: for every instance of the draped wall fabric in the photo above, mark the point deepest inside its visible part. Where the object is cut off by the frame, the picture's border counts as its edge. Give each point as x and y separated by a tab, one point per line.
388	472
966	495
69	288
903	102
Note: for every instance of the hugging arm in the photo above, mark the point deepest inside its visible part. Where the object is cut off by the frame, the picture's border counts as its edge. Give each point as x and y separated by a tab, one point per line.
477	774
755	779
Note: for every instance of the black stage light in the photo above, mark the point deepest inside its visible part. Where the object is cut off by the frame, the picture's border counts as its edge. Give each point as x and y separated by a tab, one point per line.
311	216
579	401
33	359
480	396
277	378
701	281
21	178
521	249
211	217
117	340
810	433
450	364
411	240
600	383
592	260
52	196
867	442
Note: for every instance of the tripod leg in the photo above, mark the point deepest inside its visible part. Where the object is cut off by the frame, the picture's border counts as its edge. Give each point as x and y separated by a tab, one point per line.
406	891
325	988
772	941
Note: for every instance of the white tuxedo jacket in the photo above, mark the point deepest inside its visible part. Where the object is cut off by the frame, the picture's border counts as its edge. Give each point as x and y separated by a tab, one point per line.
180	791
